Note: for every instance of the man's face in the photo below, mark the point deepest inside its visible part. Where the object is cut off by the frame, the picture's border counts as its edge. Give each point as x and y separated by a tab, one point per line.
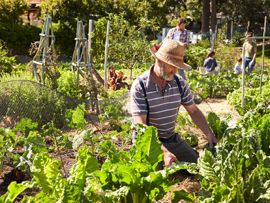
182	26
166	71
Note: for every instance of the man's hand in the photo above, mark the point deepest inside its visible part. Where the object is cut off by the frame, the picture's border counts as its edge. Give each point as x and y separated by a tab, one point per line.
169	158
252	62
212	140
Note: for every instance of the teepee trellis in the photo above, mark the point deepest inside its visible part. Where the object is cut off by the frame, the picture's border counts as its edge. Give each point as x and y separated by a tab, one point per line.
44	49
81	59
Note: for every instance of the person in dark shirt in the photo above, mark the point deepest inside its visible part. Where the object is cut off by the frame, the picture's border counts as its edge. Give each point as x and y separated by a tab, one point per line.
210	63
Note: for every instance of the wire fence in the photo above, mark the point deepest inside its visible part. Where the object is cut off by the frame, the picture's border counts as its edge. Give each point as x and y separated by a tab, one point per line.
27	99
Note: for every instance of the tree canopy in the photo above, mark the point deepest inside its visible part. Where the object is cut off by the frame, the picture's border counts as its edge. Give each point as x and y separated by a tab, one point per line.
11	10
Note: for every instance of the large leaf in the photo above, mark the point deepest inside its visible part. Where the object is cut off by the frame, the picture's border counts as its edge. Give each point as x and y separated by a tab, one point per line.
150	145
46	171
14	190
207	166
182	195
85	165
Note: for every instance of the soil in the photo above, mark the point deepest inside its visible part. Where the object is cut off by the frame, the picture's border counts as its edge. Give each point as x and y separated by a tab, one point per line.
188	183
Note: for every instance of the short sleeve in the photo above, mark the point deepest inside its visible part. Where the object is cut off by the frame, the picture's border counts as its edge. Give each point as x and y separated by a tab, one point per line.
138	103
187	98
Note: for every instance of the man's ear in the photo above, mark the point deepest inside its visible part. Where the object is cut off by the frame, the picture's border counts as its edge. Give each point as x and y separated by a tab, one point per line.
158	62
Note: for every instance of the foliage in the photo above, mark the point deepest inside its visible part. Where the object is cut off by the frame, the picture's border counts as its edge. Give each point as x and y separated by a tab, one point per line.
112	183
196	55
67	84
126	45
31	100
226	57
6	63
222	34
218	126
75	118
194	9
236	40
212	85
19	37
12	10
116	80
242	12
191	139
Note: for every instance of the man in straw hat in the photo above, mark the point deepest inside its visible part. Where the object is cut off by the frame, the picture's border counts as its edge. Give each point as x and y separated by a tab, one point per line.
159	108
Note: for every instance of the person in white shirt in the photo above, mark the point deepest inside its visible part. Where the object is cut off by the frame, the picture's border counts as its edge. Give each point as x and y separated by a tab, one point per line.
238	66
180	34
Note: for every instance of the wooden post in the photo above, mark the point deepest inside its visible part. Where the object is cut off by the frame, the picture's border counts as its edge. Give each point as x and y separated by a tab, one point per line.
265	19
106	54
216	31
164	33
243	76
231	30
248	26
90	30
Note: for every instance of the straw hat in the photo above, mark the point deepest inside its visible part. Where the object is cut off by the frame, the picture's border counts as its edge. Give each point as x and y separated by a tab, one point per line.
171	52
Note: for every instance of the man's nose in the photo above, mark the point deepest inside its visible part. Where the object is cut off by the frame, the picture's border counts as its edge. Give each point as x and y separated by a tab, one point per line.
174	70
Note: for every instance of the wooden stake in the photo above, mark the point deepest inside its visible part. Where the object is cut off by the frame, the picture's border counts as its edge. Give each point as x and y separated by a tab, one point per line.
265	19
106	54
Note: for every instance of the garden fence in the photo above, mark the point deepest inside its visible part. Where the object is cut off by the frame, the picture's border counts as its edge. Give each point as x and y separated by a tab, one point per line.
27	99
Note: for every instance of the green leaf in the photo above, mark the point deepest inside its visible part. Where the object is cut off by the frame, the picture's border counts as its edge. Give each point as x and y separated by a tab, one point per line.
85	165
182	195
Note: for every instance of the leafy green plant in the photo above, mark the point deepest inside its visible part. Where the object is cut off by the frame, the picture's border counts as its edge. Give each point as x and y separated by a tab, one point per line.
145	184
67	84
75	118
126	44
218	126
6	62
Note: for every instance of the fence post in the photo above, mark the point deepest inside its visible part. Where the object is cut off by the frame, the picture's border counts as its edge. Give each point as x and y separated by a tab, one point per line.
231	30
106	54
90	30
164	33
265	19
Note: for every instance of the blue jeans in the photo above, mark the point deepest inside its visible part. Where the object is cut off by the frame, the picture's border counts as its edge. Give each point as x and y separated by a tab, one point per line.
181	72
247	63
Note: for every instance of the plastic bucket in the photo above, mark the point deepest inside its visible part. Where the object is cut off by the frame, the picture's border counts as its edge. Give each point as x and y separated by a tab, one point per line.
202	70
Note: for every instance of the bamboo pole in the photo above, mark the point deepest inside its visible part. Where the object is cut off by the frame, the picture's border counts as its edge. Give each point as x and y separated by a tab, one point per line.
106	54
231	30
263	54
243	76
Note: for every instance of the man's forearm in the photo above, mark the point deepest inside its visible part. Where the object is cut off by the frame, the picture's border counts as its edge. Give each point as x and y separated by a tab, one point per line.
199	119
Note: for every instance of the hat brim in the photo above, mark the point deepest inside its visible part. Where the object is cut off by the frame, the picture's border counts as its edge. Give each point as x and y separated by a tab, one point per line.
170	60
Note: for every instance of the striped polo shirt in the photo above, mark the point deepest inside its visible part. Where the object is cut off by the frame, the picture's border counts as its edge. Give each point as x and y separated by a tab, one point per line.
163	105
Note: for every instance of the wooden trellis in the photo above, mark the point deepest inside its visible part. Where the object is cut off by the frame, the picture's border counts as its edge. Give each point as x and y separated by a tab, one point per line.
81	59
46	46
243	61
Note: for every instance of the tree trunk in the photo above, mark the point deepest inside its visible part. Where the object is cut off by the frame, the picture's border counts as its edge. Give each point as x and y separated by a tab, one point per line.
205	16
213	15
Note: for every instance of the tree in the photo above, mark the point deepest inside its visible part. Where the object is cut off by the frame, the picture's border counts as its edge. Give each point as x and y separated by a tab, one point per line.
11	10
242	11
205	16
213	15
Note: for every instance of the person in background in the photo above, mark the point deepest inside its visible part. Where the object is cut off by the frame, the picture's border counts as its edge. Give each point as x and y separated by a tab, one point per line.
237	67
179	33
210	63
250	53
